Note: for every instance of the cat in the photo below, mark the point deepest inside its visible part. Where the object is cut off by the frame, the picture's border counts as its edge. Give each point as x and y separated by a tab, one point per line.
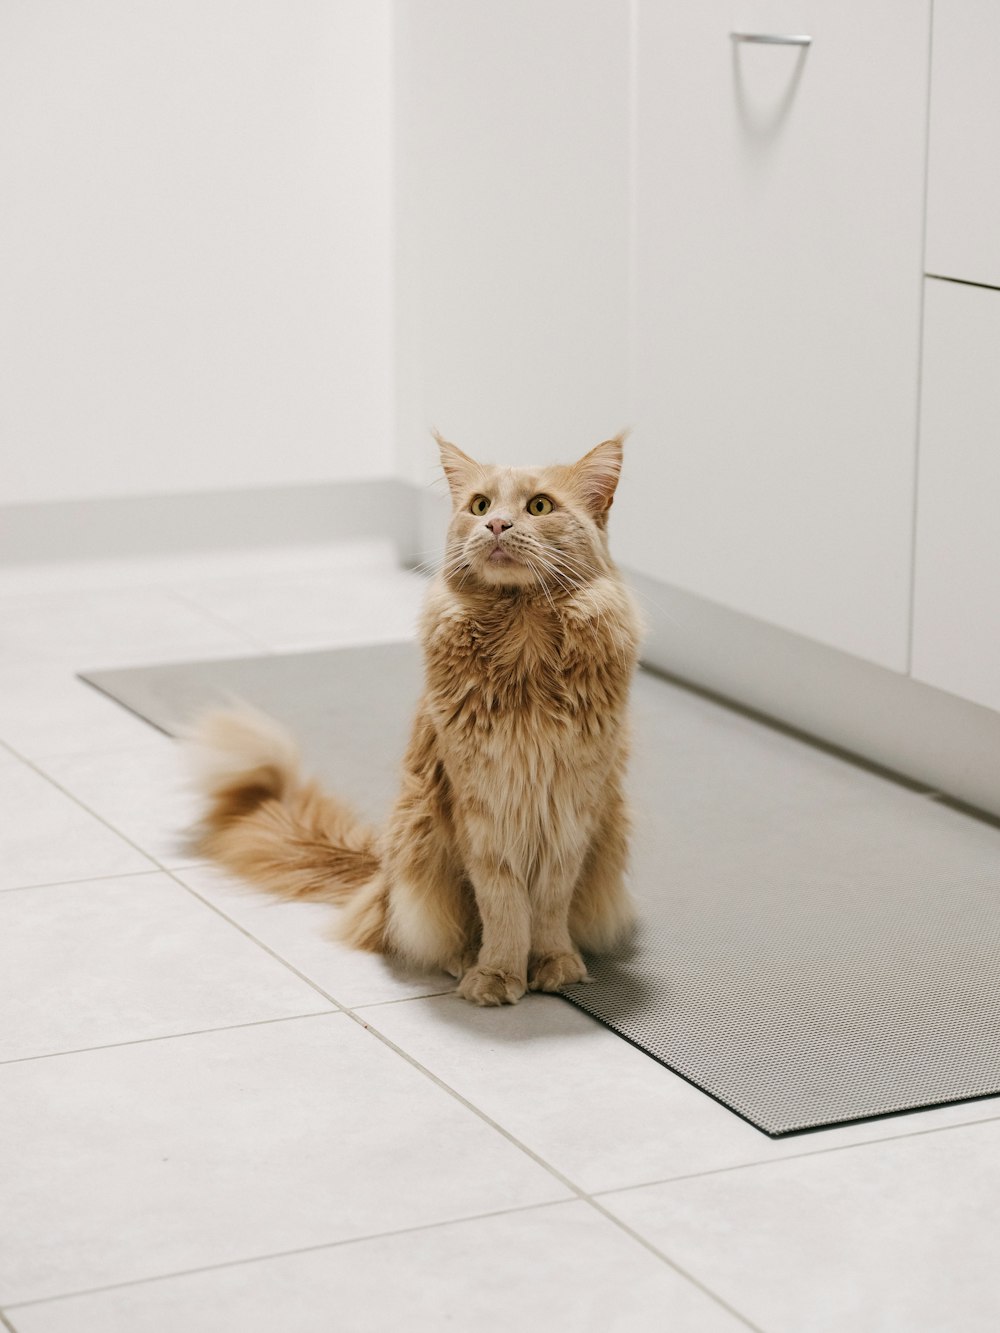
505	853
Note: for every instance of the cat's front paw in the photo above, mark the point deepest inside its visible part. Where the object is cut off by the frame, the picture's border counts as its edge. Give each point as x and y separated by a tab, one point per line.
490	986
552	971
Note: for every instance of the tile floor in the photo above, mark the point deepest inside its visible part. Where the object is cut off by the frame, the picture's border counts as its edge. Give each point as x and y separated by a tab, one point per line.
212	1117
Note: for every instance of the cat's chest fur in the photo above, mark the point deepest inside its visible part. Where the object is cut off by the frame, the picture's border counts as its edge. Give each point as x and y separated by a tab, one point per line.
520	667
528	699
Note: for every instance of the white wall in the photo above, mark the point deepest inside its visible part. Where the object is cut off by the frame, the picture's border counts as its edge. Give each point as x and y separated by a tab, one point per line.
195	231
512	227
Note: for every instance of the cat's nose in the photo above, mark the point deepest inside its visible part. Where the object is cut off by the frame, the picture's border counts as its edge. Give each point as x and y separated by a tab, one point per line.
498	525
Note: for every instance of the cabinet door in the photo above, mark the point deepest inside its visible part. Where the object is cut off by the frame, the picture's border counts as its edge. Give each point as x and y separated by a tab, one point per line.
777	280
956	625
963	186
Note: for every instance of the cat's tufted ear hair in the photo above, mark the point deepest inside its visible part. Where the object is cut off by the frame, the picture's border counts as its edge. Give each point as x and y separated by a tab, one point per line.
596	475
459	469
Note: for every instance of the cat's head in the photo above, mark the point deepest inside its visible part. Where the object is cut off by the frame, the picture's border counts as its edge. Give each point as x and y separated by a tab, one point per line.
543	527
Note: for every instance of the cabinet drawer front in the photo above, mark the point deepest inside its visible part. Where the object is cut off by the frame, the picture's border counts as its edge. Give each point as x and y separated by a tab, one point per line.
777	272
956	624
963	187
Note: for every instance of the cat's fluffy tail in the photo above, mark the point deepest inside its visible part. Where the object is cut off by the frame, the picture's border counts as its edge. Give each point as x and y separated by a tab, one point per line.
264	821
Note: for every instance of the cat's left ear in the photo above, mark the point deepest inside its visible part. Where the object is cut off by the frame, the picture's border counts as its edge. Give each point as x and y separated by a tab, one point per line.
596	475
459	469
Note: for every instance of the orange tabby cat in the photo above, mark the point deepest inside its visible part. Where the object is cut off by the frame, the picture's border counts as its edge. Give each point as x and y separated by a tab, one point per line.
504	854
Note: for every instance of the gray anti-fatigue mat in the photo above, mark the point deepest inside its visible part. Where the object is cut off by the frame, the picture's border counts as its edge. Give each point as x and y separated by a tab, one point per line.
817	943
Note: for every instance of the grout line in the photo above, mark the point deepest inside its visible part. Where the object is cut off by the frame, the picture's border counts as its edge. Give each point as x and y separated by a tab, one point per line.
159	867
54	782
401	999
470	1106
169	1036
798	1156
266	948
287	1254
166	870
671	1263
87	879
564	1180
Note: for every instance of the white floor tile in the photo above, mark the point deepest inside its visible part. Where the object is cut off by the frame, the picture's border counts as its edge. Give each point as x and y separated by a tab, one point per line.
145	793
118	960
139	1161
124	1163
561	1267
46	710
170	568
302	933
317	608
598	1109
897	1237
45	837
87	629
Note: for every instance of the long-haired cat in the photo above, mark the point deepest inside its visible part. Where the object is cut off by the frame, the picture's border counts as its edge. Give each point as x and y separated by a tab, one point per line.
505	852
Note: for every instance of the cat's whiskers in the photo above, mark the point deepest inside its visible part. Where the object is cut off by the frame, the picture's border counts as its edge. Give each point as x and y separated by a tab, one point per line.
452	564
428	567
536	565
543	565
573	573
614	633
558	564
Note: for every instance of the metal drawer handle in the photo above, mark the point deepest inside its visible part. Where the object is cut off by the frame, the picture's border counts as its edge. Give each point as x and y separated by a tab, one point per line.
771	38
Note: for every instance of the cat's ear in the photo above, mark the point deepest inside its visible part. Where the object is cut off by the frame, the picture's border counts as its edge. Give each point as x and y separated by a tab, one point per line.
596	475
459	469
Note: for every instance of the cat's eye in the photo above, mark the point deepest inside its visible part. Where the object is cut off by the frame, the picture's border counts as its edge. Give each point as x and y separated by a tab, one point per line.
479	505
540	504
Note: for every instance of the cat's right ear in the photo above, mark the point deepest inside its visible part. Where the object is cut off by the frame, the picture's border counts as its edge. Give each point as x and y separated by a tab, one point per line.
460	470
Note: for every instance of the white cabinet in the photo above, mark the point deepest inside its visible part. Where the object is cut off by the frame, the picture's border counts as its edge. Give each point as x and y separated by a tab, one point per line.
956	637
963	188
956	613
776	304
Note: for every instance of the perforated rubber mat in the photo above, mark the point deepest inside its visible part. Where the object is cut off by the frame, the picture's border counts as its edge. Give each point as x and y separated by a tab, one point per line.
816	942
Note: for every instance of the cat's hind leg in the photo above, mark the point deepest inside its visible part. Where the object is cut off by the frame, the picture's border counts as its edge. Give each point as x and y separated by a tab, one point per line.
432	921
432	925
363	922
431	913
